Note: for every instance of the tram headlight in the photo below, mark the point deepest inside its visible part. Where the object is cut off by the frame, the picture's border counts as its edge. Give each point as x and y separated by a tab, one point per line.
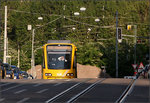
48	74
69	74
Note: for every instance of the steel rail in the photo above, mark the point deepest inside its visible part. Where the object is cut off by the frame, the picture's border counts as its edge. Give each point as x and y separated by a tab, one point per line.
62	93
73	99
127	91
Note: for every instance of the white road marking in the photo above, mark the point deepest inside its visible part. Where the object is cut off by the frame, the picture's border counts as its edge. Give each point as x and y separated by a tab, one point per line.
5	84
57	84
2	99
23	100
62	93
36	85
20	91
41	91
11	87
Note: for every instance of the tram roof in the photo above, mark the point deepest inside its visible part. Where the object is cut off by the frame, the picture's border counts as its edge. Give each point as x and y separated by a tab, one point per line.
59	41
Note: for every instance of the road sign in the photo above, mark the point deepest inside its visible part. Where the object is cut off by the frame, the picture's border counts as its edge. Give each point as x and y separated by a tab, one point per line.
134	66
135	73
141	66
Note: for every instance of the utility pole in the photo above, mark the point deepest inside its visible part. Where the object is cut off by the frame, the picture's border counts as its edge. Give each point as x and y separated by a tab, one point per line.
5	36
149	40
7	51
135	33
116	44
18	56
32	58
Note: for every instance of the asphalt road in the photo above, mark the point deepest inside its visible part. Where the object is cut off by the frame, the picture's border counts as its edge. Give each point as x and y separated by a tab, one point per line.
140	93
73	90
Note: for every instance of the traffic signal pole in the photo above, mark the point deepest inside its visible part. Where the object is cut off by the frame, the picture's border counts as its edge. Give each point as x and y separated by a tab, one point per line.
116	44
135	33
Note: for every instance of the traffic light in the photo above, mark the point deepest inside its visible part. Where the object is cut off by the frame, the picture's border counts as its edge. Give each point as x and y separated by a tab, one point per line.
129	27
119	30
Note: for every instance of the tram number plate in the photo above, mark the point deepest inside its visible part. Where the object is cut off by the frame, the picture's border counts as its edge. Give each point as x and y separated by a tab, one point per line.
59	74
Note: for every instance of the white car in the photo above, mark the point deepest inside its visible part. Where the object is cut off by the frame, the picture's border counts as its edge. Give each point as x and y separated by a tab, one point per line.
130	77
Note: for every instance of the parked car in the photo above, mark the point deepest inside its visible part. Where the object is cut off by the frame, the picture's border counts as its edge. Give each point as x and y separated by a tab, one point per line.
24	74
30	76
16	72
2	71
8	72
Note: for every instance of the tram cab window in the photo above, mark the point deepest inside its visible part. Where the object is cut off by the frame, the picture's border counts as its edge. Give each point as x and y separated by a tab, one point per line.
59	59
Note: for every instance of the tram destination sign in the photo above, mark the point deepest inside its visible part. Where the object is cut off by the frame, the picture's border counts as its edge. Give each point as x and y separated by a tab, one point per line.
67	47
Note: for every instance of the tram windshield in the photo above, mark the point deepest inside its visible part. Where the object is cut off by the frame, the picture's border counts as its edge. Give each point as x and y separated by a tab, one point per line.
59	56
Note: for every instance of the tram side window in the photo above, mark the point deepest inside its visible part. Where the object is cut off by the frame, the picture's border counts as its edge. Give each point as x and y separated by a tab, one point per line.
75	61
43	63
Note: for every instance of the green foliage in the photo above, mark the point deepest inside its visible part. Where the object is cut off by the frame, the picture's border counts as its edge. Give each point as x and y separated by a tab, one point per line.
89	54
95	47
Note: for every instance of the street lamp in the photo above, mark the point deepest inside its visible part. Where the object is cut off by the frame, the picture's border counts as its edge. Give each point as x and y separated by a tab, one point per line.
73	28
33	35
76	13
97	20
89	29
40	18
82	9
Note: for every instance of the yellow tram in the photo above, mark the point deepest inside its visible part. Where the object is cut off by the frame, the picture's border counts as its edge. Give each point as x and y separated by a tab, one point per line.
59	60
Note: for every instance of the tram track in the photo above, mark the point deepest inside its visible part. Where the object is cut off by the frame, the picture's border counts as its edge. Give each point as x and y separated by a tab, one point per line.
127	91
74	92
64	92
73	99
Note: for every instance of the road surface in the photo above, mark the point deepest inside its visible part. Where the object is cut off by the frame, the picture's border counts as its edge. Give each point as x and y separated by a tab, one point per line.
98	90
